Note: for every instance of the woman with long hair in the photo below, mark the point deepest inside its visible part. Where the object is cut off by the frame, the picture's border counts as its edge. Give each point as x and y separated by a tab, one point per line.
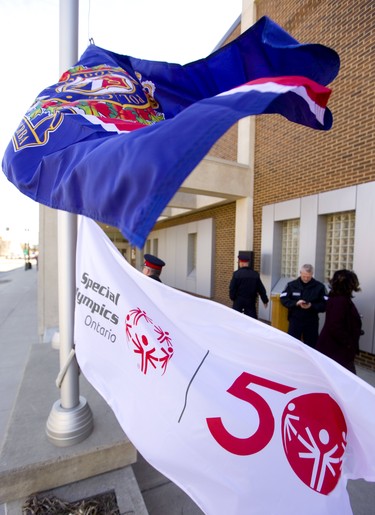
339	338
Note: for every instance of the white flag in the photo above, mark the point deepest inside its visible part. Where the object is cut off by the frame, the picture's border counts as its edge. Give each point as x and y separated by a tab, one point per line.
243	417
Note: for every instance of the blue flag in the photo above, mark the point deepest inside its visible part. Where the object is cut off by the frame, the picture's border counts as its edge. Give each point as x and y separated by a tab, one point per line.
115	138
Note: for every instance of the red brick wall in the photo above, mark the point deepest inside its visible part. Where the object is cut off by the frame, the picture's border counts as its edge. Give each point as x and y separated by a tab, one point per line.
365	359
293	161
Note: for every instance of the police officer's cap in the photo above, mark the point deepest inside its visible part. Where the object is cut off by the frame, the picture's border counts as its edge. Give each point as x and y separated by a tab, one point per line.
244	255
153	262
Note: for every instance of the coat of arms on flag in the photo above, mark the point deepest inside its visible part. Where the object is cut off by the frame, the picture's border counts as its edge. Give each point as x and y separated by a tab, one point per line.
116	136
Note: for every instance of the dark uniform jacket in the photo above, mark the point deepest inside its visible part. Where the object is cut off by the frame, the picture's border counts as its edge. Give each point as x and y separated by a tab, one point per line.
313	291
244	287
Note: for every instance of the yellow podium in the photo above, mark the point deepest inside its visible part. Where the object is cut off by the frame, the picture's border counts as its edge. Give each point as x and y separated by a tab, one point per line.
279	315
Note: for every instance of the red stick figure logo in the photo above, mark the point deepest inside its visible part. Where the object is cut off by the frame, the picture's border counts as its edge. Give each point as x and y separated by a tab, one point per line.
314	438
313	430
150	342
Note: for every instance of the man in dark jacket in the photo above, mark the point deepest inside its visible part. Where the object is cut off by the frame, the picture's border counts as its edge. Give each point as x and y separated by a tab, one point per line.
153	266
245	286
304	297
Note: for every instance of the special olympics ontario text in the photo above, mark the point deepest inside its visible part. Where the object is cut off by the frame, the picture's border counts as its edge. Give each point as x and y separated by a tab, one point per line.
104	291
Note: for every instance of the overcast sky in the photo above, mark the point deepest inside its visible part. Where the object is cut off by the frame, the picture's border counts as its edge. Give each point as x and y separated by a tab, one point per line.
166	30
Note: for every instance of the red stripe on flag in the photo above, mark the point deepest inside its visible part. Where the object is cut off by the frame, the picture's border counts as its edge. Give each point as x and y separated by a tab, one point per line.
318	93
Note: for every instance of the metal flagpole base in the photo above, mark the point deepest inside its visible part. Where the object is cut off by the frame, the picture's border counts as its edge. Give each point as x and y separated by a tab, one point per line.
69	426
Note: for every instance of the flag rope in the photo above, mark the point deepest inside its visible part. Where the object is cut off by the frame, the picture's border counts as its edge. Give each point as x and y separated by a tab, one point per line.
64	369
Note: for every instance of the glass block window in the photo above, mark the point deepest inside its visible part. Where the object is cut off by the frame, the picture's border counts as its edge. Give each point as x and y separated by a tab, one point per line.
339	242
290	248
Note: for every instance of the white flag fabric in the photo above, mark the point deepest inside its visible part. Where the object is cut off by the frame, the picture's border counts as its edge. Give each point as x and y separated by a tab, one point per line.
243	417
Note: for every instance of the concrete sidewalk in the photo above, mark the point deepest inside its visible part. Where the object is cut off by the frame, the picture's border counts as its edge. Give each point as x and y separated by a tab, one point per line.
18	330
18	333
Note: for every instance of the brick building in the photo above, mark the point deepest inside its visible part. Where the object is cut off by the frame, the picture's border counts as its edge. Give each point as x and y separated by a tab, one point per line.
294	195
321	185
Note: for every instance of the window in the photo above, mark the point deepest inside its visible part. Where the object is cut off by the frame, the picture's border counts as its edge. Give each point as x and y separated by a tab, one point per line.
147	248
290	248
192	253
151	246
155	246
187	250
339	242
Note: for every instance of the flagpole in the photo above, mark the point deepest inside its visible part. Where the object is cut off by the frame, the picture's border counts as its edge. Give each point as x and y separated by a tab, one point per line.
70	420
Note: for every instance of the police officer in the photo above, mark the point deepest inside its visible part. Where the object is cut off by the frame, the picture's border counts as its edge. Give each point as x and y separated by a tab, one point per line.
304	297
153	266
245	286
